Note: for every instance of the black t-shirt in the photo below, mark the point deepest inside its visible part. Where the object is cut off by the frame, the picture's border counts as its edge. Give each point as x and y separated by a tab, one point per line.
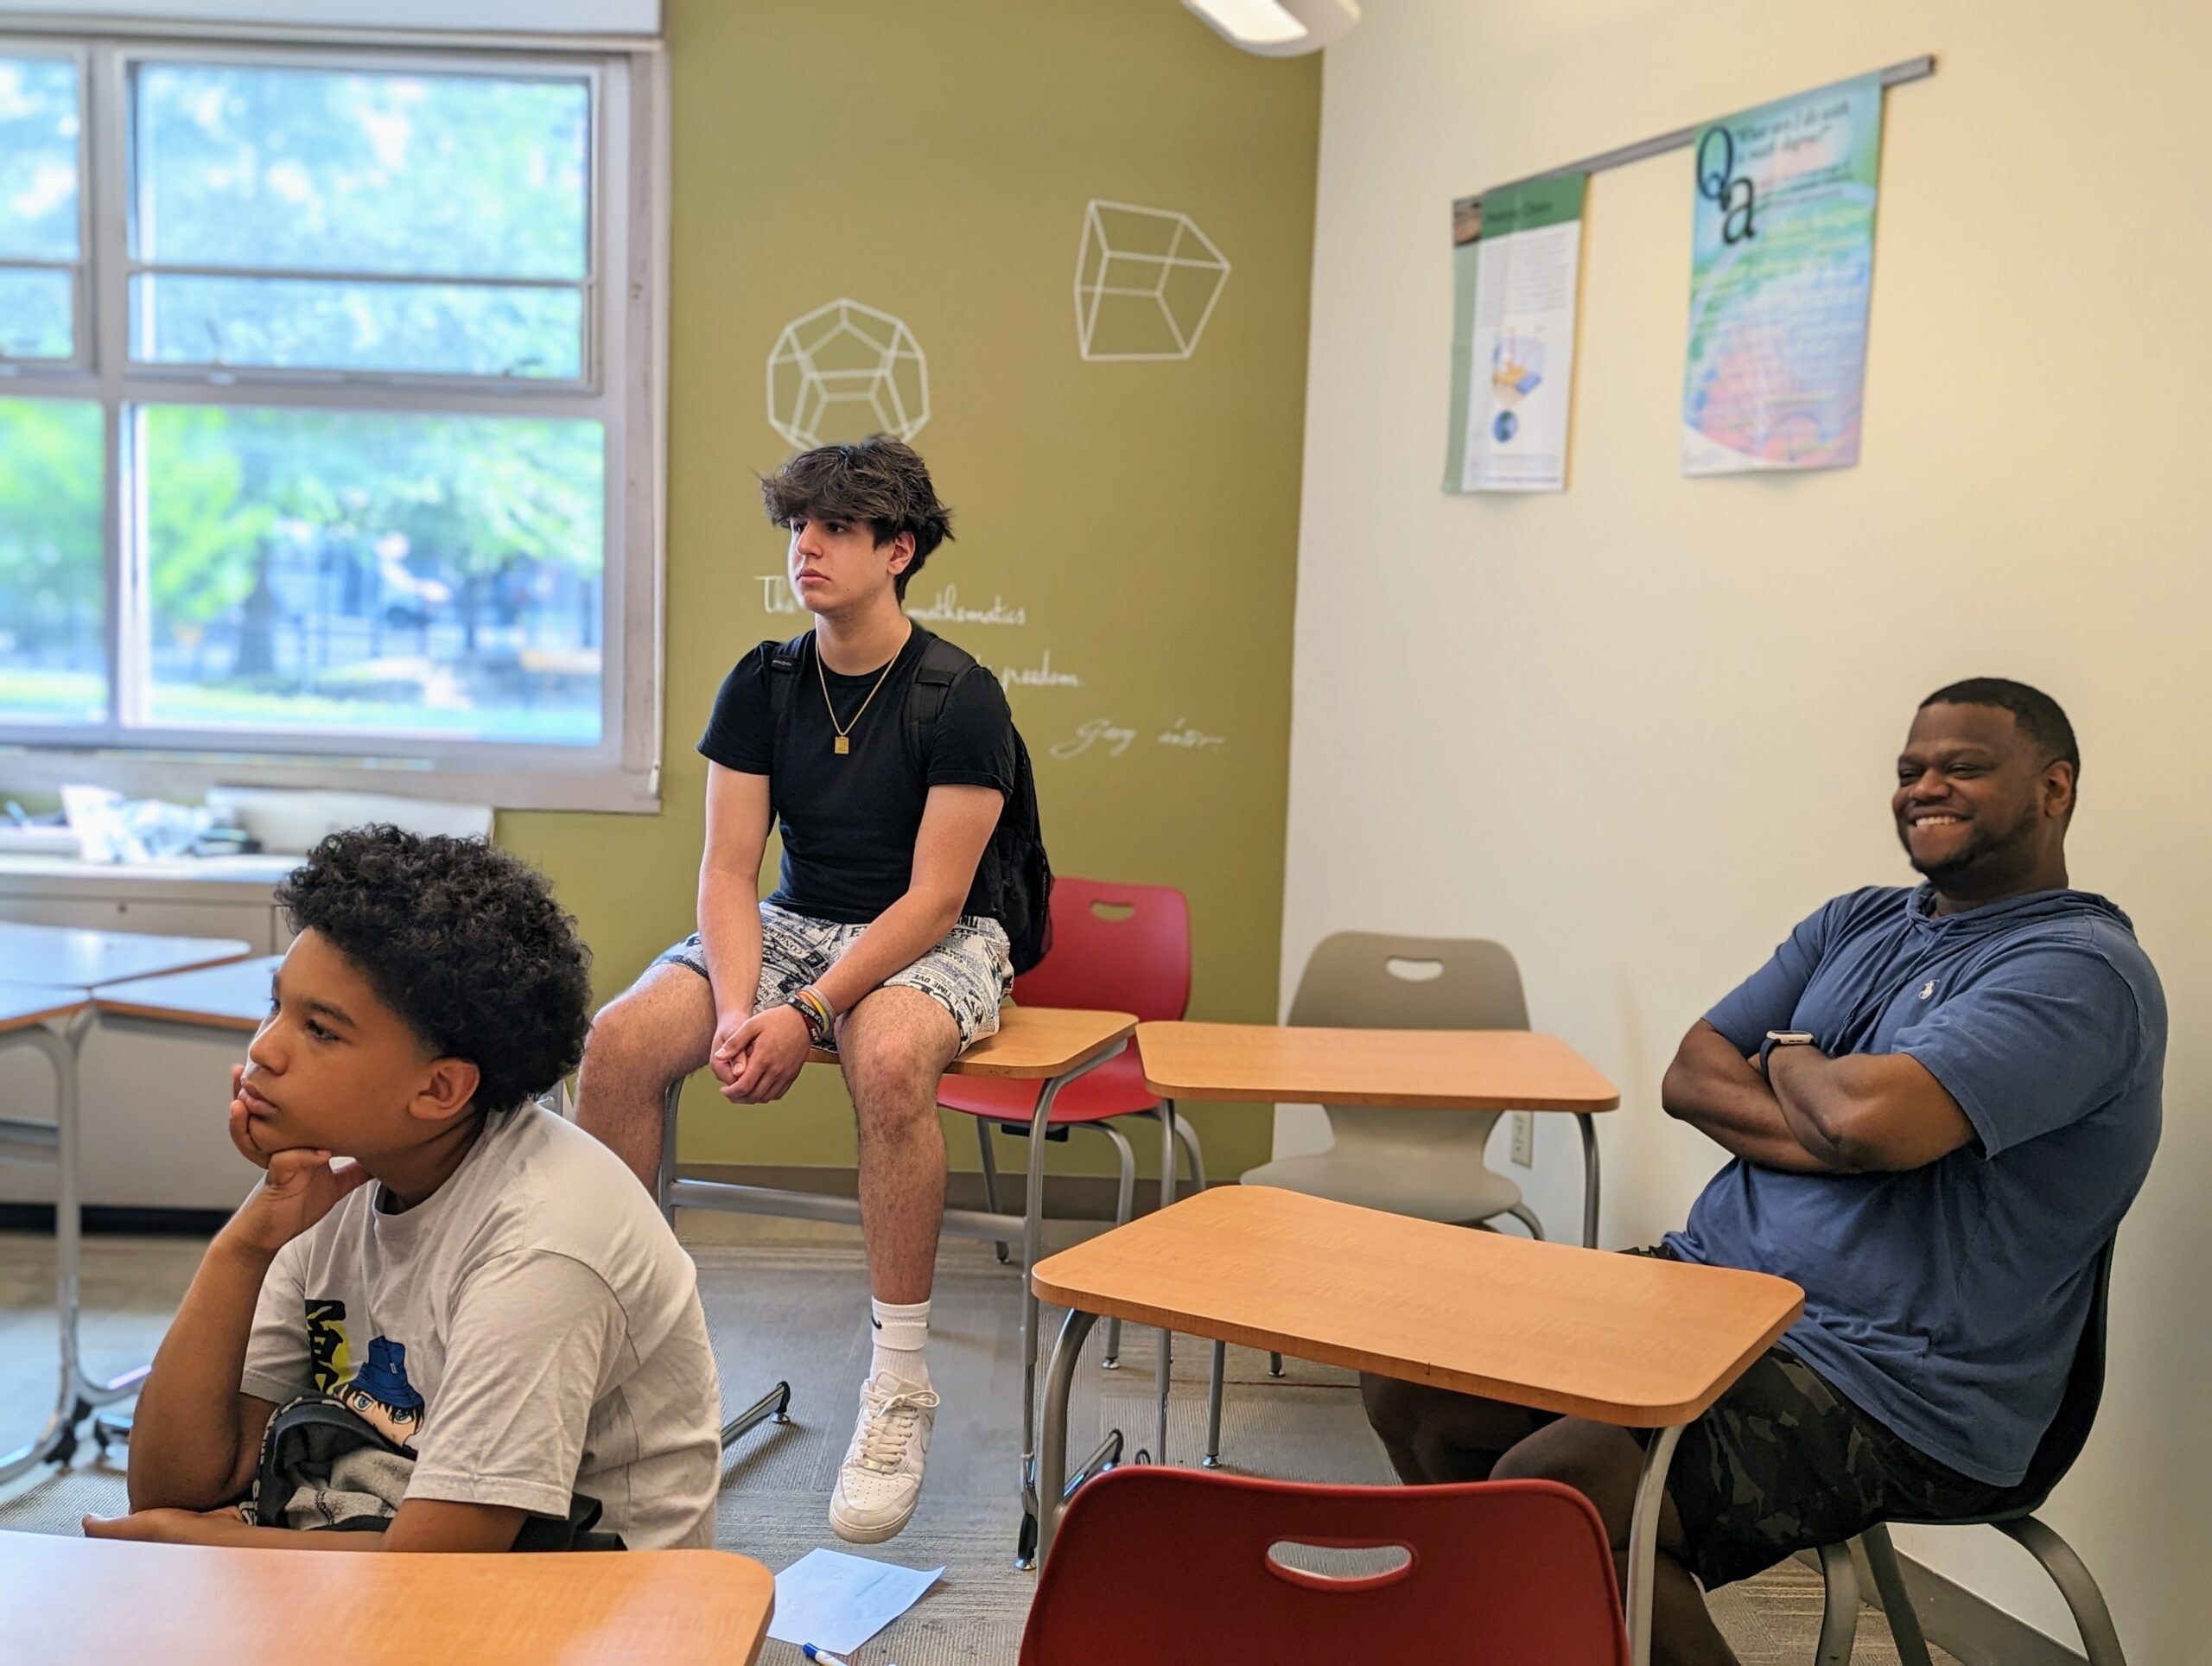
849	822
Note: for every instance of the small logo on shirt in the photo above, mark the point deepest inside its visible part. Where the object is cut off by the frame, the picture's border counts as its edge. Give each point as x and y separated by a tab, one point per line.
1927	989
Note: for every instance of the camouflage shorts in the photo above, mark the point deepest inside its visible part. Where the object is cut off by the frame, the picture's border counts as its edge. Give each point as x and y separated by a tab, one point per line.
967	972
1782	1463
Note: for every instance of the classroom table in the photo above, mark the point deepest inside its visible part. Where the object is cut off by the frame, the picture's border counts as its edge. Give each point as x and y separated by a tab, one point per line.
232	996
1624	1340
82	959
48	1019
1413	1069
1052	1045
97	1600
50	957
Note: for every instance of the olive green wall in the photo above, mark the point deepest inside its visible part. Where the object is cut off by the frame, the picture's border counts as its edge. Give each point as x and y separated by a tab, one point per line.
934	162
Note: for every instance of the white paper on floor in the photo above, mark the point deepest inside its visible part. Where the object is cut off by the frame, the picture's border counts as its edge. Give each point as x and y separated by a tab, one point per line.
838	1602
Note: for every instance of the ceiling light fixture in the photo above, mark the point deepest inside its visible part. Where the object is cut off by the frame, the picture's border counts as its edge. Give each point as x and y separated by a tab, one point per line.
1278	28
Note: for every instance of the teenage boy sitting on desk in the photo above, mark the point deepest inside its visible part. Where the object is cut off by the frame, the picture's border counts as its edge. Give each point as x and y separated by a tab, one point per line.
469	1292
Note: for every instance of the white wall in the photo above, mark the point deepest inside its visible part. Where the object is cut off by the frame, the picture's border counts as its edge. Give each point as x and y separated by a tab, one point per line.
1637	730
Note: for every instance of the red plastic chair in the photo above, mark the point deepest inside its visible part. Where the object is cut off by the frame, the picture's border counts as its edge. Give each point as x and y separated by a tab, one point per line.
1119	948
1157	1564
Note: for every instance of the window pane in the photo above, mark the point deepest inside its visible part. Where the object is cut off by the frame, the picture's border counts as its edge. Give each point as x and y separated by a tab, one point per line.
324	171
365	574
53	654
302	324
37	319
38	159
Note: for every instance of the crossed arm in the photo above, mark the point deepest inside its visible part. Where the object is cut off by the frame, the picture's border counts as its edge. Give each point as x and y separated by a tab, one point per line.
1858	1113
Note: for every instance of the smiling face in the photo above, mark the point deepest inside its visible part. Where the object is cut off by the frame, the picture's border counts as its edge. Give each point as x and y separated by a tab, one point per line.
1981	808
838	567
333	1068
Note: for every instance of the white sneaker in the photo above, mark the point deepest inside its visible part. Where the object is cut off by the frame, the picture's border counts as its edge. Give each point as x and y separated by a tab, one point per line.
880	1480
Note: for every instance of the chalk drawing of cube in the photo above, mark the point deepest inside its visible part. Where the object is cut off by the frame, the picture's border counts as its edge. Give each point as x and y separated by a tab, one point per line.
1146	282
844	371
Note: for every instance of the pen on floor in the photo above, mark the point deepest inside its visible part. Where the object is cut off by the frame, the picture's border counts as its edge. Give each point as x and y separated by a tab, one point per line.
813	1653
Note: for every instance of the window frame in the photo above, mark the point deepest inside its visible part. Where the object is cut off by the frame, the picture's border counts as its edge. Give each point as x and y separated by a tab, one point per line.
623	354
12	369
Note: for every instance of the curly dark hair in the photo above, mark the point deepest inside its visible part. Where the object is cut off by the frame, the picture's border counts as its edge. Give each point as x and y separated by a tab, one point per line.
880	481
463	941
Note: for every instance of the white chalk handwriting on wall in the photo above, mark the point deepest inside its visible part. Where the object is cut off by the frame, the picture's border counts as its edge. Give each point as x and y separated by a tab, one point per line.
1180	734
945	607
948	609
1107	739
1040	675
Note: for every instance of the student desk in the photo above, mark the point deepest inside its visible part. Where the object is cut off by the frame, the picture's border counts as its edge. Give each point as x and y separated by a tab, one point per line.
233	996
1052	1045
1411	1070
1623	1339
80	959
97	1600
43	958
1414	1070
50	1018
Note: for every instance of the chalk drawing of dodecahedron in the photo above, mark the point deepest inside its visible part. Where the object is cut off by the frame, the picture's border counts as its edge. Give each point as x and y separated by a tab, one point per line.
1146	281
845	371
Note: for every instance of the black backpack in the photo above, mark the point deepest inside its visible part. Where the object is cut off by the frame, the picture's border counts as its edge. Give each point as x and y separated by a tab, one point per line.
1016	875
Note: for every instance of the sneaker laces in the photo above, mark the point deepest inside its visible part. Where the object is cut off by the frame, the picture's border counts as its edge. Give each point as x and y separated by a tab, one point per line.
887	1425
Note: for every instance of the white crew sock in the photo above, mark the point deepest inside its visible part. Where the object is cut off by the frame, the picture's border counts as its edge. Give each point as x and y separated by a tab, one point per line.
901	1332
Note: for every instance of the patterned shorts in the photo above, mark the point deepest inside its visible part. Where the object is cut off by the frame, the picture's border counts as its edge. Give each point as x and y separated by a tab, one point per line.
968	973
1783	1463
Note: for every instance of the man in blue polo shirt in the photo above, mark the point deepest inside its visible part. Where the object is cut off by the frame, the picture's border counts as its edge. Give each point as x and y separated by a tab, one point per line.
1939	1101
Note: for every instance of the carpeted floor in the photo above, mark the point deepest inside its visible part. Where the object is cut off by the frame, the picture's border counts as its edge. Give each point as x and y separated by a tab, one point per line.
787	1300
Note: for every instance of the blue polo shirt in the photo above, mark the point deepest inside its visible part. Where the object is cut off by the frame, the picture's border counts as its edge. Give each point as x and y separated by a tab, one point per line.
1947	1300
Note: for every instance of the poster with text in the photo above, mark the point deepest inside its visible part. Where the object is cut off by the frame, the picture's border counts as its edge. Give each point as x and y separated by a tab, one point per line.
1515	255
1782	267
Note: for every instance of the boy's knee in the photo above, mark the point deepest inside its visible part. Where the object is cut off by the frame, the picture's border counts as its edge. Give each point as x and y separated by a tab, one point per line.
890	1079
629	1037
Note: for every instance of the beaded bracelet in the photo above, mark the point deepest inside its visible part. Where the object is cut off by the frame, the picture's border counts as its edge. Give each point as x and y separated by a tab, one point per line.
821	1022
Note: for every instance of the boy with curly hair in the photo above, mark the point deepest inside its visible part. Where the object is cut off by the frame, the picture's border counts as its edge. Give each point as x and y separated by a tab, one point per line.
480	1282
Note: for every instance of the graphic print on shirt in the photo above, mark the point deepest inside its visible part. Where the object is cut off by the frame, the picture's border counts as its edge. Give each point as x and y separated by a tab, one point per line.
327	1349
383	1397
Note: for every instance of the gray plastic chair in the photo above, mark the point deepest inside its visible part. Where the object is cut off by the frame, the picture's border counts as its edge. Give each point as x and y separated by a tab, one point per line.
2015	1517
1429	1164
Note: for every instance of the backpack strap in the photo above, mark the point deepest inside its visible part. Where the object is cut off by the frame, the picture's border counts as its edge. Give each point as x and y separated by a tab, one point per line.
943	664
784	660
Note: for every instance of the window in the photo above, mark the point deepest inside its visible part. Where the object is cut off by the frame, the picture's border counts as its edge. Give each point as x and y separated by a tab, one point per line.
324	407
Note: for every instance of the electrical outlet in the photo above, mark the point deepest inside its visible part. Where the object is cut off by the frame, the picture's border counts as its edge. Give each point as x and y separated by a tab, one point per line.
1524	1138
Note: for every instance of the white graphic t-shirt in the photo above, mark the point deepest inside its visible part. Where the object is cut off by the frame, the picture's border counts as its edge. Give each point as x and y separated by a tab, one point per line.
530	1332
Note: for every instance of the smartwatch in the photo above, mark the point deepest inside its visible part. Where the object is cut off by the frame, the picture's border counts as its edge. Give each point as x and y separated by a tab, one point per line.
1783	1039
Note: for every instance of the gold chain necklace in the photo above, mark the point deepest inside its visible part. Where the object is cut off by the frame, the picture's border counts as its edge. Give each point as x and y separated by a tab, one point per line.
844	743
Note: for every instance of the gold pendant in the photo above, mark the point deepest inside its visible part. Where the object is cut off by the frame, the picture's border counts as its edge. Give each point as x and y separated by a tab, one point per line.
844	745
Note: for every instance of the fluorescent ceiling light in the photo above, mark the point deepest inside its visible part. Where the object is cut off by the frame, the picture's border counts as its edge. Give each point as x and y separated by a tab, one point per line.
1278	28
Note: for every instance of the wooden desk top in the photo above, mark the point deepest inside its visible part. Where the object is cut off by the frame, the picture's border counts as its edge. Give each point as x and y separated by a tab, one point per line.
70	1600
1036	1043
1620	1338
80	959
1421	1070
22	1005
232	996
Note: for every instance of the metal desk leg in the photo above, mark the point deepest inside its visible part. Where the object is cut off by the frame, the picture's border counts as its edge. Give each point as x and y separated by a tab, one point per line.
56	1440
1643	1541
1052	1481
1589	1178
773	1406
1167	1336
1033	1240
